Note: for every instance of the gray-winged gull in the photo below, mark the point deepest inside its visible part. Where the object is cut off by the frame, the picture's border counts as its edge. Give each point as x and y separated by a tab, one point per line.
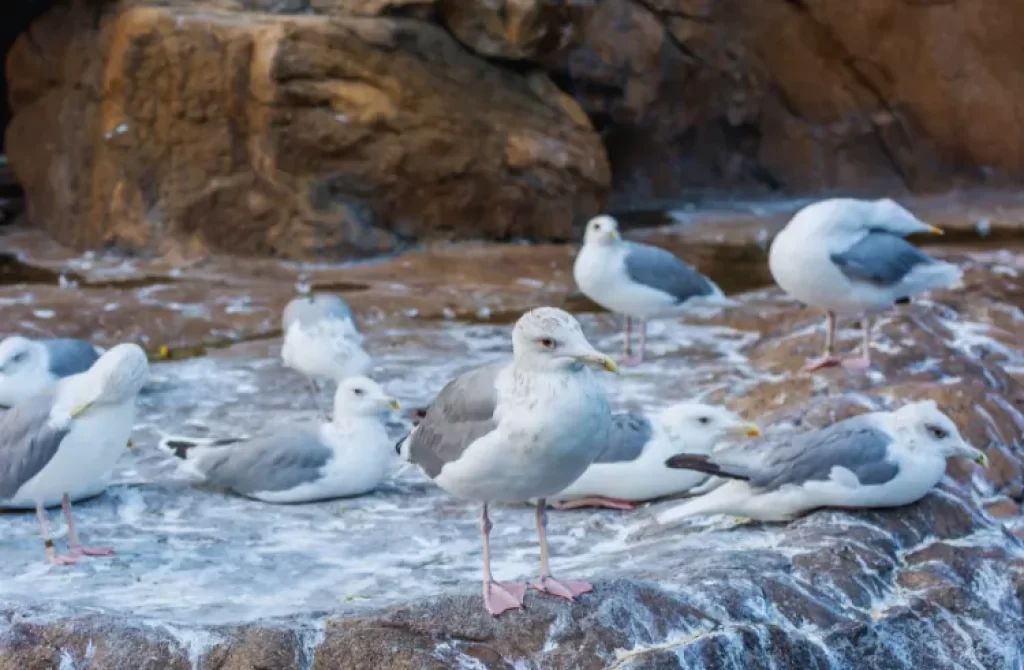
517	431
321	341
845	255
72	431
632	468
637	280
349	456
27	366
881	459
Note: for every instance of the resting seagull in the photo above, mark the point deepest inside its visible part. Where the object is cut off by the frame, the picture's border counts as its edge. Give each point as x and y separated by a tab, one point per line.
72	431
637	280
632	468
517	431
349	456
848	256
28	366
881	459
321	341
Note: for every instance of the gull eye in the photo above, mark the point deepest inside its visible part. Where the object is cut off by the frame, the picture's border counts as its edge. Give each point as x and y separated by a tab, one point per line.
704	420
19	357
936	432
547	342
359	391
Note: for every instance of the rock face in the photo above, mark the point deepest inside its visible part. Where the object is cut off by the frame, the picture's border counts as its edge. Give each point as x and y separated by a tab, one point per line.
206	126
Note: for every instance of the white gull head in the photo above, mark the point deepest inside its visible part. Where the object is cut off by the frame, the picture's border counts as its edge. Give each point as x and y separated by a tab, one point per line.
361	396
24	369
923	427
548	339
602	231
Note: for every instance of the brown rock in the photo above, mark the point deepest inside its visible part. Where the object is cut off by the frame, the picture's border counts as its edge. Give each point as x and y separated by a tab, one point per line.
183	129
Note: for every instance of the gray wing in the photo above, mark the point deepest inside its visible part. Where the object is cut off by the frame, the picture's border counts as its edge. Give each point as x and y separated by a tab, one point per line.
69	356
855	444
27	442
272	463
661	270
627	436
880	258
461	413
307	310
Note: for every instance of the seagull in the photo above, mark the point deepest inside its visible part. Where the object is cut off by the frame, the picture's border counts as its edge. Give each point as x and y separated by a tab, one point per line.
321	341
637	280
881	459
28	366
70	432
632	468
845	255
347	457
516	431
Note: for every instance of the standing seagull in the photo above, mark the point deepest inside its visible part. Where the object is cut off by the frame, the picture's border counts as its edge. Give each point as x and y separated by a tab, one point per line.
349	456
848	256
637	280
632	468
881	459
72	431
28	366
522	430
321	341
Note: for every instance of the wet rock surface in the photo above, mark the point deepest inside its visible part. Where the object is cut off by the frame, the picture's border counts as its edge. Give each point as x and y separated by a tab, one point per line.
206	580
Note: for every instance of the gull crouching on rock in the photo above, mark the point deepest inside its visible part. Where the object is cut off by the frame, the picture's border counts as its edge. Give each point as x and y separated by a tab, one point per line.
349	456
637	280
28	366
881	459
73	431
845	255
516	431
632	468
321	341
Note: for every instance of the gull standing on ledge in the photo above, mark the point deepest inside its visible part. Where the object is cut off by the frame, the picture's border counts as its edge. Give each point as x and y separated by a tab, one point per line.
632	468
72	431
349	456
321	341
517	431
844	255
637	280
28	366
881	459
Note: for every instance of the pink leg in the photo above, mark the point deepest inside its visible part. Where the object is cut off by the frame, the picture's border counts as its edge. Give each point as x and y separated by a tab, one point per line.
545	582
637	360
497	597
52	557
828	358
862	362
596	501
77	550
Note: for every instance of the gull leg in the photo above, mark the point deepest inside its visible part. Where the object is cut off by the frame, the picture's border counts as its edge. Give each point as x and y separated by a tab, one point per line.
595	501
76	547
316	398
545	582
629	358
627	348
862	362
828	357
497	597
52	557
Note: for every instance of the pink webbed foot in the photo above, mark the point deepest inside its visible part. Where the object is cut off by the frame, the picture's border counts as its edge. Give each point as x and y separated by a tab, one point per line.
819	363
563	589
596	501
859	363
91	551
57	559
500	598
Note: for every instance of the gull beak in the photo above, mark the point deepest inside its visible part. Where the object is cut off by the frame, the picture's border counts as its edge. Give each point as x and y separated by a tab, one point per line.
612	235
131	445
81	408
745	430
599	360
976	455
935	231
393	404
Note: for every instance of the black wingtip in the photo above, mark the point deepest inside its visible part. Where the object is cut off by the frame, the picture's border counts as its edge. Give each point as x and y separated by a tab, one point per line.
179	447
701	463
398	446
902	301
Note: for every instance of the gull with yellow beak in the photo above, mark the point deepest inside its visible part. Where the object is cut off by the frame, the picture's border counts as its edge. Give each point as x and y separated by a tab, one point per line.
845	255
637	280
632	468
516	431
348	456
69	434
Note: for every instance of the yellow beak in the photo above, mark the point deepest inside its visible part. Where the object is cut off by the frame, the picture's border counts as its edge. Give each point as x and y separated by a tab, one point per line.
746	430
81	408
981	459
600	360
612	235
131	445
394	404
935	231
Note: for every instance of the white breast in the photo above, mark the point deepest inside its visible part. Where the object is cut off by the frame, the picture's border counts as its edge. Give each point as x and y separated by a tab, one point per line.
600	273
330	349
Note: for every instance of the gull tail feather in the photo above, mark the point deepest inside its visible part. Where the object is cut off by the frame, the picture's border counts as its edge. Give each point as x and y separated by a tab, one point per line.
937	275
704	463
188	448
402	446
